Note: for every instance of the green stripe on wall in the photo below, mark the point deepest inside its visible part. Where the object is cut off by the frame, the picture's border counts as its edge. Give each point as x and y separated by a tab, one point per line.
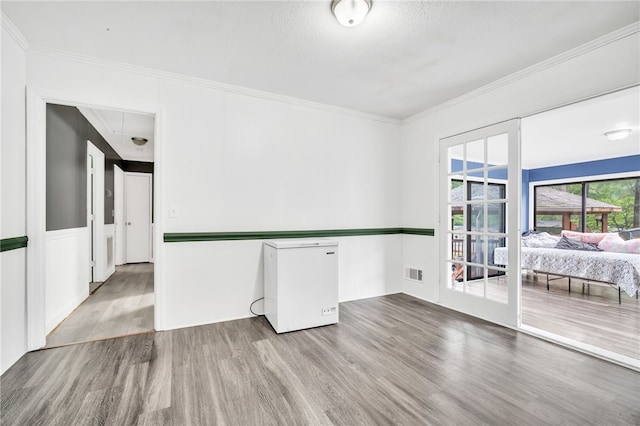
7	244
269	235
419	231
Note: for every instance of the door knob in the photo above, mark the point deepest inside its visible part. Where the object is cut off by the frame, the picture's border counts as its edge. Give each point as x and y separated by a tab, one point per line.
128	223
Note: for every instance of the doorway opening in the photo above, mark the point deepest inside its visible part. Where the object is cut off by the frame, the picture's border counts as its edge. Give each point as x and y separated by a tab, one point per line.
112	293
580	253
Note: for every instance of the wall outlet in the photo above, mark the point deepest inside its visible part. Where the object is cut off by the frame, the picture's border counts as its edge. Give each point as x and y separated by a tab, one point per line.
329	311
174	211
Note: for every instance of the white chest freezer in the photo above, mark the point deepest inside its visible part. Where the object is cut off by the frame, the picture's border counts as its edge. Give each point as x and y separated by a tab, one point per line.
300	283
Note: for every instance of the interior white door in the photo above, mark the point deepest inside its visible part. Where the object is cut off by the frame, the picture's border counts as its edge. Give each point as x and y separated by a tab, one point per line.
95	211
480	210
118	214
138	217
91	213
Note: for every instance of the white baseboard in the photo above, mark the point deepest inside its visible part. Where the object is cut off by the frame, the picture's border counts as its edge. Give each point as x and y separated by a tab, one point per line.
64	312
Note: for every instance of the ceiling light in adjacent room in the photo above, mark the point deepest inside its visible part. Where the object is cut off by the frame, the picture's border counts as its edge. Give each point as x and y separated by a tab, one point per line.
350	12
139	141
616	135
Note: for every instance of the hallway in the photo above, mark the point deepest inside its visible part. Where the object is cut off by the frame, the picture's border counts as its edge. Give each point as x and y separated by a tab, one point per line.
122	306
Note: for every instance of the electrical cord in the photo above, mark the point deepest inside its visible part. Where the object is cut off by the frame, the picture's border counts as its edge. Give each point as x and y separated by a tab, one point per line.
251	306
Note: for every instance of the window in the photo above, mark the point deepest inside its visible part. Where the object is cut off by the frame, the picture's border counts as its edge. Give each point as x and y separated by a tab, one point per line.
475	224
611	205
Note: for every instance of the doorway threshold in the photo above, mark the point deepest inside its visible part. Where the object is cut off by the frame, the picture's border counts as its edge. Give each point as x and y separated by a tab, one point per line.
93	286
62	345
613	357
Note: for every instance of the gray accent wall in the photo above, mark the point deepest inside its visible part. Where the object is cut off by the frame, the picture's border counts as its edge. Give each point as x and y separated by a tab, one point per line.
66	168
67	135
137	166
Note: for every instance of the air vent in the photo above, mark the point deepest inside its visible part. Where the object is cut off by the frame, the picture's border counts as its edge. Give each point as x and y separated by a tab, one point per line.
413	274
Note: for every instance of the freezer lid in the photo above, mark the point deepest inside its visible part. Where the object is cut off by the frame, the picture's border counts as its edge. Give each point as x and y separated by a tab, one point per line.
301	243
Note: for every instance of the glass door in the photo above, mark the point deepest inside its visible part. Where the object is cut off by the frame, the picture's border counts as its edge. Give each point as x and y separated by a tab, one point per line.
496	224
480	205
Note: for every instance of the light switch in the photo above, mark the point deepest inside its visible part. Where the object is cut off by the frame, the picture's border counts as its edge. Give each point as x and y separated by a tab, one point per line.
174	210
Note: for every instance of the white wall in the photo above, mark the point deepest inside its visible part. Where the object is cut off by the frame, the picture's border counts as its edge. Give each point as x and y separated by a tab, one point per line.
237	163
608	67
67	273
246	164
13	203
234	162
228	276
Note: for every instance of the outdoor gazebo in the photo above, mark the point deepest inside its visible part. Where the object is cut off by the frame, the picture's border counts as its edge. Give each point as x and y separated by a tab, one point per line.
550	201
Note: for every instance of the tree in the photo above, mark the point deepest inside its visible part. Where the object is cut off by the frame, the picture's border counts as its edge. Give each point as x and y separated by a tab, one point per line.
624	193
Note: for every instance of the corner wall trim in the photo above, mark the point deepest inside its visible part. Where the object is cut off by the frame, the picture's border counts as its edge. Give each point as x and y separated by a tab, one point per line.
14	243
268	235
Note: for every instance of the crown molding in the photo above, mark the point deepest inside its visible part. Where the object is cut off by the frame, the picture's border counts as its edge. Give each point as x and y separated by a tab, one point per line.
15	33
534	69
93	114
201	82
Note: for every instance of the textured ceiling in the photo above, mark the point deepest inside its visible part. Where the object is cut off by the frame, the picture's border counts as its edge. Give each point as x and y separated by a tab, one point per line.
405	57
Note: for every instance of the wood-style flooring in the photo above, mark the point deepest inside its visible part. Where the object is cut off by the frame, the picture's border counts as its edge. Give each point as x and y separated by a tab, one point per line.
594	317
390	360
121	306
93	286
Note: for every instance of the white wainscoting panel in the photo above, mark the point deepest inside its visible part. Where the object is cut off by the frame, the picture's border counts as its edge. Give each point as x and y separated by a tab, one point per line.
214	281
12	307
67	273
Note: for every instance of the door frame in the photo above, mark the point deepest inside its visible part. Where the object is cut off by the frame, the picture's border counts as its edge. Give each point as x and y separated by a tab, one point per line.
37	98
148	176
97	243
510	314
91	207
118	216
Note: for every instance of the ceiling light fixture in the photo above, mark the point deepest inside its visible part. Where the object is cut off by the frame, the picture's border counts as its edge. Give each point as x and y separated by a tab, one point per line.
139	141
350	12
616	135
